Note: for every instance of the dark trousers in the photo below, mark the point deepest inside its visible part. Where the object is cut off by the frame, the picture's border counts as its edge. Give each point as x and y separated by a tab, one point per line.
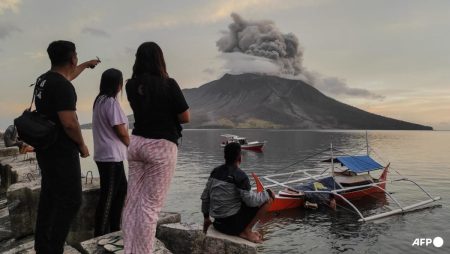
59	200
235	224
113	189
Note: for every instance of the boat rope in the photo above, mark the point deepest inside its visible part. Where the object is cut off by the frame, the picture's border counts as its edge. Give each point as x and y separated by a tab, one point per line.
311	156
302	160
390	168
297	162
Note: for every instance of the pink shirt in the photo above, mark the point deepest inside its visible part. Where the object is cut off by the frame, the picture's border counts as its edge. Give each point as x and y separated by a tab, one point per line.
107	146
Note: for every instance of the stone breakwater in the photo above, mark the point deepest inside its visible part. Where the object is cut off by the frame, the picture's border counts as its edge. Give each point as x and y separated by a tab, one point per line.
20	183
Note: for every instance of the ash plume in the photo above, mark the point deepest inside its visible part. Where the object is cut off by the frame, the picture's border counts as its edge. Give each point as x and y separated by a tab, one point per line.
250	46
263	39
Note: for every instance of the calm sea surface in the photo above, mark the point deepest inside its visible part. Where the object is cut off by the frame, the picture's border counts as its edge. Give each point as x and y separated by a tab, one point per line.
421	156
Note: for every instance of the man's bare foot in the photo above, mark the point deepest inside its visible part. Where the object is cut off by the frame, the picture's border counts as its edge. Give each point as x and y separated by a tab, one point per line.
251	236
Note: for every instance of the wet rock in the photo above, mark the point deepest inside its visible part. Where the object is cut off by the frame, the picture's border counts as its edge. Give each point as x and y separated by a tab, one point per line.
92	246
216	242
181	238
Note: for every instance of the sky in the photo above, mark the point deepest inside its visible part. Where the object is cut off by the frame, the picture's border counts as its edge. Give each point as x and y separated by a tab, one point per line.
398	52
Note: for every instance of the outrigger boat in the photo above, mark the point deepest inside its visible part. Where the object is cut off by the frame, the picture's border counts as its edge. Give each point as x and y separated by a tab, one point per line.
253	145
349	180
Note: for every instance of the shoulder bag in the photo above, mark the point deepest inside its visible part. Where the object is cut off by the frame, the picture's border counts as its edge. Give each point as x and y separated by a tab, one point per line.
35	128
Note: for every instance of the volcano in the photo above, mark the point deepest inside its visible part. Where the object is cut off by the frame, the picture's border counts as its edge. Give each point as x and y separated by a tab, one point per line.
262	101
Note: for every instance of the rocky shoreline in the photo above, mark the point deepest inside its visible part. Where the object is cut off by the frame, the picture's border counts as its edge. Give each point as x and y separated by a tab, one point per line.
19	195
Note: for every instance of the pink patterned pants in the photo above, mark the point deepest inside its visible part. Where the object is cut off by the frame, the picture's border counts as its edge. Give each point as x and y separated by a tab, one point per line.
151	166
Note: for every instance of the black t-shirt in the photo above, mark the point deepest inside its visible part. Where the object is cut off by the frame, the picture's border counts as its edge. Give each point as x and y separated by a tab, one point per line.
156	103
55	93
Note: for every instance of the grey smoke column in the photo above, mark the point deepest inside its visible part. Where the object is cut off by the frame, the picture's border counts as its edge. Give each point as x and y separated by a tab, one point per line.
260	47
263	39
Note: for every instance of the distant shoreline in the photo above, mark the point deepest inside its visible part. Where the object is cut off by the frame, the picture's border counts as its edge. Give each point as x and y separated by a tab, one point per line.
89	127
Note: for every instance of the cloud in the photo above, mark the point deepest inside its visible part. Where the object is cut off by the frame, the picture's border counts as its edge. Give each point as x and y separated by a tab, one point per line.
211	12
338	86
238	63
36	55
441	125
214	11
430	108
7	29
95	32
12	5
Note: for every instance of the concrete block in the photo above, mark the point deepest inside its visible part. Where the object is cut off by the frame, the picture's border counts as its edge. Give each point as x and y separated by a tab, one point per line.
83	226
9	151
216	242
21	207
168	217
181	238
28	248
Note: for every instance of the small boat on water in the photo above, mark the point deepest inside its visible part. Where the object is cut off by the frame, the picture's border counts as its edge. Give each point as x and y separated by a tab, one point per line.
350	179
253	145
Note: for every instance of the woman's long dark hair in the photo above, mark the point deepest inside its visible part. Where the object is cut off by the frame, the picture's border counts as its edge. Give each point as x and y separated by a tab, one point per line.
150	60
110	83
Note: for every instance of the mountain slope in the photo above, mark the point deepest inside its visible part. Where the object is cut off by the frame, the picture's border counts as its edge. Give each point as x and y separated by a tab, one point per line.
260	101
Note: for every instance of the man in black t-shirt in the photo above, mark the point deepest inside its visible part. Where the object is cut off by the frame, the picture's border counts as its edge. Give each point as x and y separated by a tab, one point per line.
60	196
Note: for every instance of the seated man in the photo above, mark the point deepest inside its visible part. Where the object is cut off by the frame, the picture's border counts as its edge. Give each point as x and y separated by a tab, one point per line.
10	138
228	198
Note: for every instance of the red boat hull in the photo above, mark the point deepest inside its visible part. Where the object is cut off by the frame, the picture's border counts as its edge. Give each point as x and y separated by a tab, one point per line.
258	148
285	202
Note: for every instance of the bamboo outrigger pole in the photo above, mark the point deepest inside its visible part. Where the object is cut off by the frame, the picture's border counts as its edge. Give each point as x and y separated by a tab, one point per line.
332	165
367	144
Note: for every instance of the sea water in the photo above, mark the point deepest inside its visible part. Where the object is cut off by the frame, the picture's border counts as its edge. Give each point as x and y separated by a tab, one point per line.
423	156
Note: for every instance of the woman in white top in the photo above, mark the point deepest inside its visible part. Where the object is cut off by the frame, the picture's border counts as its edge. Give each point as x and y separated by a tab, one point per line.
110	132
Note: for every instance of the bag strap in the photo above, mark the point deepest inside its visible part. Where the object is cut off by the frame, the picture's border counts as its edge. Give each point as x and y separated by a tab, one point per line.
32	98
34	92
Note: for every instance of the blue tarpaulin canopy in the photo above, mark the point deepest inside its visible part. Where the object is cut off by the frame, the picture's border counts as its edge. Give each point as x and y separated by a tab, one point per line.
359	164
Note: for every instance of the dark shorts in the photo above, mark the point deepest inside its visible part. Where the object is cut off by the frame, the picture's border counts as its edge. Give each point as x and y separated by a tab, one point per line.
235	224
